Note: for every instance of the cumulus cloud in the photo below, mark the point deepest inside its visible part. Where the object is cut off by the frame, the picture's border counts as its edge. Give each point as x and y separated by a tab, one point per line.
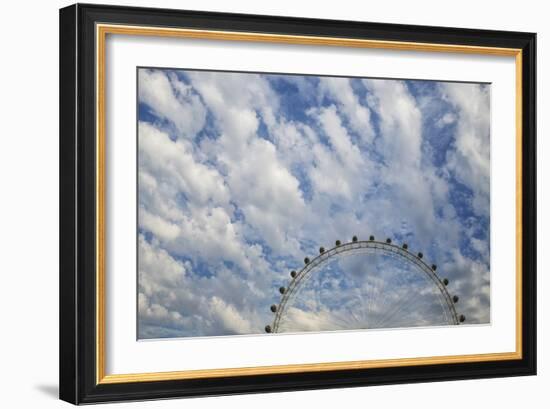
357	114
259	182
174	161
241	175
400	121
337	165
171	100
470	160
173	300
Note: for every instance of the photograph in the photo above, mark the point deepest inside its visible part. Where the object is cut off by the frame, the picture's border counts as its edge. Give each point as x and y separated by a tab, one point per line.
287	203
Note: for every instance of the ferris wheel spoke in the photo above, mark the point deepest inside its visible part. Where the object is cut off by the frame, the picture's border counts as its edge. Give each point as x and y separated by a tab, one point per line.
398	306
405	308
364	315
403	303
388	301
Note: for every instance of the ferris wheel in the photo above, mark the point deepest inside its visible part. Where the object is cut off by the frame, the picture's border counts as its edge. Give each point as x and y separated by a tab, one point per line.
364	284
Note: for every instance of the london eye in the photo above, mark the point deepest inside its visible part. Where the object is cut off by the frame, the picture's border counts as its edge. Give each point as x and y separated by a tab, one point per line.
364	284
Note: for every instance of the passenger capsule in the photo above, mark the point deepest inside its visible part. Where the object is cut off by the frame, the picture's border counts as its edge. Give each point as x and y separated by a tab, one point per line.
282	290
273	308
371	238
306	260
338	242
268	328
354	239
434	267
462	318
405	246
420	255
321	250
293	273
455	299
388	240
445	281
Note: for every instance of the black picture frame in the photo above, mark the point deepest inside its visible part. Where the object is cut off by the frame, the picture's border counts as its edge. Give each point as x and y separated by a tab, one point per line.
78	318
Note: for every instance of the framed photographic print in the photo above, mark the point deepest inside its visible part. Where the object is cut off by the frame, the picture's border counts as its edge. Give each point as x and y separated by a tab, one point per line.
257	203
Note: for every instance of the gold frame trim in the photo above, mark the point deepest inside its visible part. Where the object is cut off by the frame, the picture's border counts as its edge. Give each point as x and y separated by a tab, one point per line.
102	30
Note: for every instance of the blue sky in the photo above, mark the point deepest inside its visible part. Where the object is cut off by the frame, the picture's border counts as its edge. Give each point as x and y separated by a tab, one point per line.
241	175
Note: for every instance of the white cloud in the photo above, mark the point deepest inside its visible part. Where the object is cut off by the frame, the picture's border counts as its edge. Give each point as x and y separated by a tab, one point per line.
228	317
171	296
339	138
162	228
446	119
357	114
259	182
168	170
336	169
470	280
173	161
400	122
410	190
470	161
171	99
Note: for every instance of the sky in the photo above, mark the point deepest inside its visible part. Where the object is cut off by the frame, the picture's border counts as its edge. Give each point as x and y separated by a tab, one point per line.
242	175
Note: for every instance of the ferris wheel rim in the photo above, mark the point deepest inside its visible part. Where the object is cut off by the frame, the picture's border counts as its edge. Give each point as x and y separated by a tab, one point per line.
372	244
